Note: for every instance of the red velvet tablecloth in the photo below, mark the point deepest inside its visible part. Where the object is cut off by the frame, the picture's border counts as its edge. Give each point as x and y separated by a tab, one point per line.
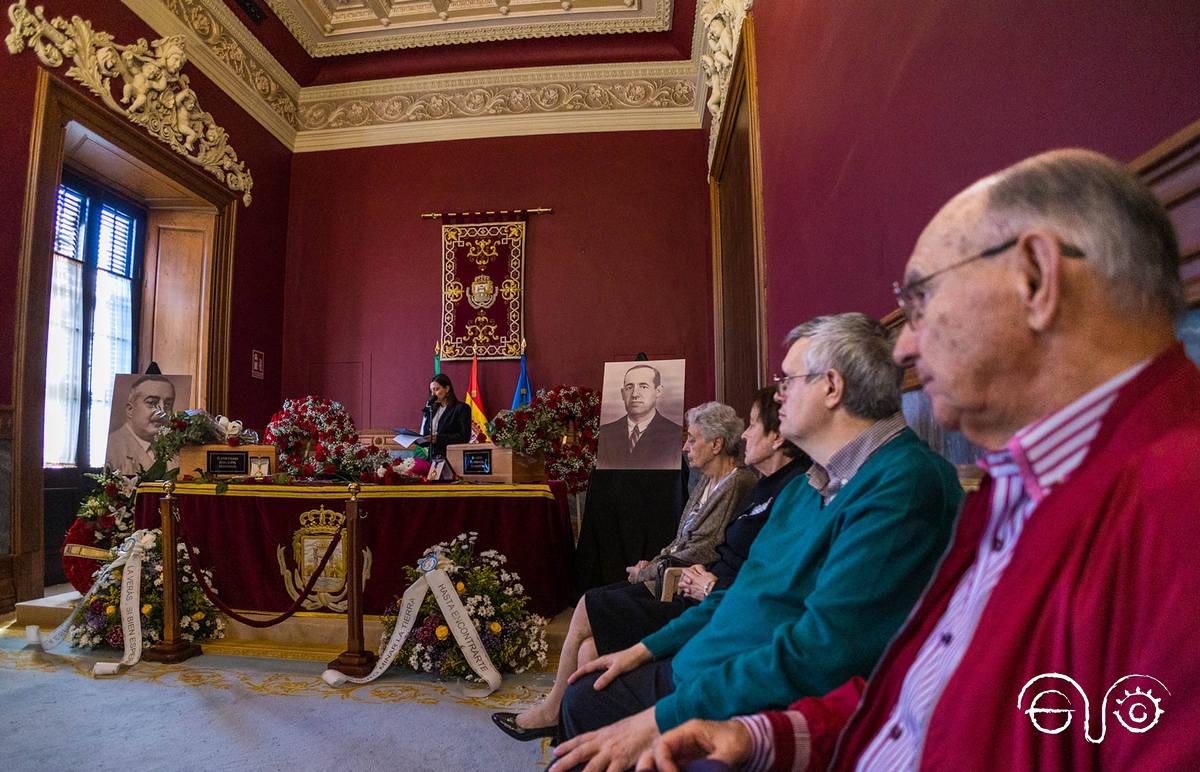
240	534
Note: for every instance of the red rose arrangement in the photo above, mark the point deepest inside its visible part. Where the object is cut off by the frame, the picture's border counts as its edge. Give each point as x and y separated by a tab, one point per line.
540	428
104	519
316	437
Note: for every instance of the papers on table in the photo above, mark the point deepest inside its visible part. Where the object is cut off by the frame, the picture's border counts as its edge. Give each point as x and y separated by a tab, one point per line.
406	438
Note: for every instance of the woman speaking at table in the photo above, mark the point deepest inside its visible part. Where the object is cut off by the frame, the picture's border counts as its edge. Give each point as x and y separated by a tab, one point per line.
446	420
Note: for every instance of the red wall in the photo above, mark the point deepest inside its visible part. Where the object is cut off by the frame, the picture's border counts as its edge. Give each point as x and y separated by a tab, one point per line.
621	266
259	256
875	112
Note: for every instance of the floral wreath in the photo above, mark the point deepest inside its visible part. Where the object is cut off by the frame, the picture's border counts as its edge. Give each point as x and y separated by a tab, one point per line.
104	519
304	425
99	622
495	600
316	437
540	427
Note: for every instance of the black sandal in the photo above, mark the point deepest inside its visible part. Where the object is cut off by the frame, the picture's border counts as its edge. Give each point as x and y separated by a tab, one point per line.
508	723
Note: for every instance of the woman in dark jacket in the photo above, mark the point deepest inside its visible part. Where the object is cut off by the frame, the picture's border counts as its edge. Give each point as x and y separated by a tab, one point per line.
614	617
446	420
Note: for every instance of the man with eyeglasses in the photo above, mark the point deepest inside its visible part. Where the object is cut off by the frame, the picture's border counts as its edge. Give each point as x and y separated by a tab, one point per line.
828	581
1058	631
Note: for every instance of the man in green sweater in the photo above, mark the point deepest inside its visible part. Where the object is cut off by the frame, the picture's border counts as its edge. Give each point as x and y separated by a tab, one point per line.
830	578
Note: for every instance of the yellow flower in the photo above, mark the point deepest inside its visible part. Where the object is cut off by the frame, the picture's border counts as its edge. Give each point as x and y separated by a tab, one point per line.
494	627
146	610
110	610
442	632
197	616
460	587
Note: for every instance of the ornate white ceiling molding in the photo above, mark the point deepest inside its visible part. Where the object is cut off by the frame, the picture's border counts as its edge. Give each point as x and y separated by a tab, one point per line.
155	94
496	126
517	102
546	100
329	28
721	24
229	55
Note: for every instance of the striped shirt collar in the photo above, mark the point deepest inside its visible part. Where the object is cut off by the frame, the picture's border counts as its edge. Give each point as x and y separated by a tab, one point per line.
1050	449
847	460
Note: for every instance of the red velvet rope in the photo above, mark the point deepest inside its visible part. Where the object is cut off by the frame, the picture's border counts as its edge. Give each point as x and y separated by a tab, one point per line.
312	580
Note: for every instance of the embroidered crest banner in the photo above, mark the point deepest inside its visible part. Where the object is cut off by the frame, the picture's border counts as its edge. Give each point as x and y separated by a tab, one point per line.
483	288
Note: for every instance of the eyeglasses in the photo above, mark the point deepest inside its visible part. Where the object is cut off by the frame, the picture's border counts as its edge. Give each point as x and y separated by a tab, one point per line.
911	297
781	381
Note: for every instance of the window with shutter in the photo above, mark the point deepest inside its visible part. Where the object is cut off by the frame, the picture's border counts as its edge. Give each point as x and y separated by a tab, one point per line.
93	318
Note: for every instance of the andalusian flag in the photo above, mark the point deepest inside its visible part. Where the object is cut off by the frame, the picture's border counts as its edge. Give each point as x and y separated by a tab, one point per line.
479	430
437	359
524	391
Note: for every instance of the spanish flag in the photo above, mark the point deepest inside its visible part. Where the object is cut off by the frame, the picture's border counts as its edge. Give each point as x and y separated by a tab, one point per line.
479	432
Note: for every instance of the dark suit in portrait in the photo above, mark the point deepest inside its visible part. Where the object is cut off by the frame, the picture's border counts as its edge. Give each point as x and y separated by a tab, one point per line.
659	447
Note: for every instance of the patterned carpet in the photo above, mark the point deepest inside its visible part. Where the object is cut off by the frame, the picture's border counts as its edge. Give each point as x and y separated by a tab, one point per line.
245	713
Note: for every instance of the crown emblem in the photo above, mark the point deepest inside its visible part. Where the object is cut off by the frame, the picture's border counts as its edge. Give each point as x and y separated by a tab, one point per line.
322	521
318	528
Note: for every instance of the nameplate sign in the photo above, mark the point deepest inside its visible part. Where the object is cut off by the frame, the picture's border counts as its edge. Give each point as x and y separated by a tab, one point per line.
225	461
485	462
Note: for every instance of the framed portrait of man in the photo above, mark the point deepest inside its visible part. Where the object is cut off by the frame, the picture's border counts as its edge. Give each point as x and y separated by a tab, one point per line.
641	415
139	404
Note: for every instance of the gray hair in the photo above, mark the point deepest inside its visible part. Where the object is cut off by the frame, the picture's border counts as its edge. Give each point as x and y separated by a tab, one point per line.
1106	211
713	420
859	348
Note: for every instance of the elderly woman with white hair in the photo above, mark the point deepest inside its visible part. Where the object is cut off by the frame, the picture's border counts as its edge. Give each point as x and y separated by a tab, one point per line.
713	448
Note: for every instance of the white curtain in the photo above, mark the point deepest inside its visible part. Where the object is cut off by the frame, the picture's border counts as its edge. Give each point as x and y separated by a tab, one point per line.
64	354
112	353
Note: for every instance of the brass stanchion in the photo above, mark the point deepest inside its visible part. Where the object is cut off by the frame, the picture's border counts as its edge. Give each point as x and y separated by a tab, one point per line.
356	660
172	647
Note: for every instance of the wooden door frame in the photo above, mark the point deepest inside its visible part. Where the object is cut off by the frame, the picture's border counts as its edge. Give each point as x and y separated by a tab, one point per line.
743	84
55	105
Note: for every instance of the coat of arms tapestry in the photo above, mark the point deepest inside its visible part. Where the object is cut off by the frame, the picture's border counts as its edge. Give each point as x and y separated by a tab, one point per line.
483	283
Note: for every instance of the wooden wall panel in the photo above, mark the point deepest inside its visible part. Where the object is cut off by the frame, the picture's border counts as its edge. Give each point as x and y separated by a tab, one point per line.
1172	169
739	287
174	328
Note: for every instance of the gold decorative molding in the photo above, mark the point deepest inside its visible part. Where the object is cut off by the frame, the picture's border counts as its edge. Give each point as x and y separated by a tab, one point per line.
590	98
547	100
721	22
339	29
154	93
531	91
253	64
228	54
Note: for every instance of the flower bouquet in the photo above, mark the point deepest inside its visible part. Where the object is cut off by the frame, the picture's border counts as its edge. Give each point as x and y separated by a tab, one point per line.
541	427
104	519
192	427
99	622
515	639
316	438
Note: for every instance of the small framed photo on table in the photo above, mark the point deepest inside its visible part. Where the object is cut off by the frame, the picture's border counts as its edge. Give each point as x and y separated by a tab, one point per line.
437	468
260	466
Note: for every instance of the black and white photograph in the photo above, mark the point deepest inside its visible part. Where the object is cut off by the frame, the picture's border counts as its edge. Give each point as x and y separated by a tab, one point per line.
139	402
641	415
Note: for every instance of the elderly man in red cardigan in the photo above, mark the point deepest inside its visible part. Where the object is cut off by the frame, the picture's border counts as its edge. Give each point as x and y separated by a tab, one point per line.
1058	632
